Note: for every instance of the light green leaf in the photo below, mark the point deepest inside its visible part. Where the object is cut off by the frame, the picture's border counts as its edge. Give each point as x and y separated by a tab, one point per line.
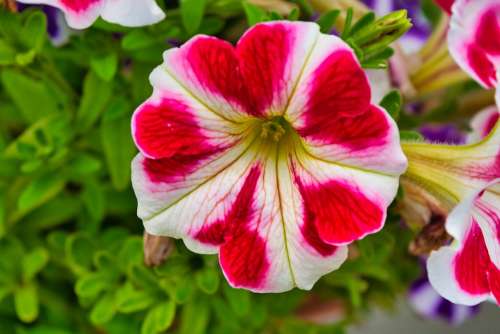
26	303
192	14
96	95
104	310
105	66
159	318
19	86
253	13
34	31
131	300
7	53
194	318
34	262
138	39
208	280
39	191
91	285
118	146
410	136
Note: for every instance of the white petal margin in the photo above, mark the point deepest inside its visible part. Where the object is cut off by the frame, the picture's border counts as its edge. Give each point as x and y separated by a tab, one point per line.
441	276
132	13
76	19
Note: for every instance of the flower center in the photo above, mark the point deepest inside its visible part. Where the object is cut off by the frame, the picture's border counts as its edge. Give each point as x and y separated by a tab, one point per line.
274	128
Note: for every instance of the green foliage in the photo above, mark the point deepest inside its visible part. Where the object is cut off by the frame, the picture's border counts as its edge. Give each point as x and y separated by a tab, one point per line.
72	259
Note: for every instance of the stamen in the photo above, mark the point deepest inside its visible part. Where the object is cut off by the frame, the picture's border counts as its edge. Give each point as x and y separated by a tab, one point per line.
273	129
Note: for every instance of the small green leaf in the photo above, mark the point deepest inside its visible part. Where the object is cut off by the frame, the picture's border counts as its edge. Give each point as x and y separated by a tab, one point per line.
83	164
34	31
91	285
238	299
192	14
392	104
96	95
79	251
184	290
159	318
327	20
7	53
94	201
138	39
118	146
294	15
105	66
410	136
208	280
194	318
26	303
39	191
131	300
34	262
40	102
253	13
104	310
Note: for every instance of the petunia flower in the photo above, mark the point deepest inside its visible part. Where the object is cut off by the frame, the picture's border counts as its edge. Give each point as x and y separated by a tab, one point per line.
483	123
468	271
268	153
474	39
80	14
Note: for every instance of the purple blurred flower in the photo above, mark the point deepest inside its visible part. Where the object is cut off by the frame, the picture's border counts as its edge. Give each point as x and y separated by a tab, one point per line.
443	133
57	28
421	30
429	304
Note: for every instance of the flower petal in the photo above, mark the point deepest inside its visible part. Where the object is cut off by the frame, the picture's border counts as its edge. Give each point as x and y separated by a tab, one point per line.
331	110
252	215
80	14
132	13
257	75
482	123
172	122
344	204
463	272
472	39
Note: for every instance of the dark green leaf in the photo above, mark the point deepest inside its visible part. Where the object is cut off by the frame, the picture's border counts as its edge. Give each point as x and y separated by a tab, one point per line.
192	14
96	95
327	20
392	104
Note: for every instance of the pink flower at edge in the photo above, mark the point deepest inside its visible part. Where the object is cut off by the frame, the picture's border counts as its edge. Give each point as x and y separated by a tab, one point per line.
80	14
474	39
268	153
468	271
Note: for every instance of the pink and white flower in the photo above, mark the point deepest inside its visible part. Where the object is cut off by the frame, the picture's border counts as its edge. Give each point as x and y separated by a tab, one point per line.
80	14
268	153
468	271
474	39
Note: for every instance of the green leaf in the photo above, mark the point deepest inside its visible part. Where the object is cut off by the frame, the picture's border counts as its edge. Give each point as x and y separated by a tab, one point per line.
3	221
79	251
34	262
327	20
131	300
208	280
96	95
194	318
253	13
184	290
26	303
34	31
238	299
138	39
19	86
104	310
105	66
39	191
410	136
159	318
83	164
192	14
118	146
93	199
392	104
91	285
7	53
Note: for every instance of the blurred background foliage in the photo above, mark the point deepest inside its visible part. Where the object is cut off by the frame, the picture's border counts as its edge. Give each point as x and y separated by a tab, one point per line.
71	251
